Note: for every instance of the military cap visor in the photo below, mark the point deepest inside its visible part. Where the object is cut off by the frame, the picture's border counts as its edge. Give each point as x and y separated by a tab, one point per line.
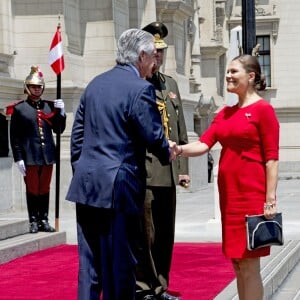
159	31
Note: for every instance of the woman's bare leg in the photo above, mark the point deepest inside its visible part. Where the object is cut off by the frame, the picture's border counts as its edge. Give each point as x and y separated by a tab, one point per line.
249	282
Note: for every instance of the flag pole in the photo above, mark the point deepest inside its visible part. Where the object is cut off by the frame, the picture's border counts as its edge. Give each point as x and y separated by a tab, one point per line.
56	61
57	177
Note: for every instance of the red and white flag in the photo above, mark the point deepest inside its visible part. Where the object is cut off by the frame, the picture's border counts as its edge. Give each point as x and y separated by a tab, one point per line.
56	55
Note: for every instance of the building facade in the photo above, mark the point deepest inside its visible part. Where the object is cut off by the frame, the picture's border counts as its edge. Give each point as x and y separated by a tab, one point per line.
200	33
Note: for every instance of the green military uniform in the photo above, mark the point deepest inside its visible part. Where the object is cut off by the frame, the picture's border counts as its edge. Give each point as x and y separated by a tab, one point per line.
160	202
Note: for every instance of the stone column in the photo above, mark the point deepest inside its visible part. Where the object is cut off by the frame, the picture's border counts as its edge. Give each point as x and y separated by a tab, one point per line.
5	27
149	14
6	38
194	35
235	49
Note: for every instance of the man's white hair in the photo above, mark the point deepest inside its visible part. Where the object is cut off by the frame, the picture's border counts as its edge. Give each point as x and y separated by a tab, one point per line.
131	43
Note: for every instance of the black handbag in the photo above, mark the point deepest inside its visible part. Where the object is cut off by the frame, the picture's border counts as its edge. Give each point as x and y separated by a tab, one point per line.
262	232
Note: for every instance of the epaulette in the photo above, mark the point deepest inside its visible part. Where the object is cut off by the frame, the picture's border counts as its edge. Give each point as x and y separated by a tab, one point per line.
10	107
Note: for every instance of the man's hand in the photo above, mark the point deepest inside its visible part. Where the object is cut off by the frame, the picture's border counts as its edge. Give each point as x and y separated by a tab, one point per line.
21	166
172	149
184	180
59	103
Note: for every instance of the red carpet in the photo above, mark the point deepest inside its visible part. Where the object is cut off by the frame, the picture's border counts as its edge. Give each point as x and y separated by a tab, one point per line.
199	272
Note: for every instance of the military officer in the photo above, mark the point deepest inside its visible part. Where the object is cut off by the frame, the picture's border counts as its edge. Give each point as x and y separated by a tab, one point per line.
32	122
160	203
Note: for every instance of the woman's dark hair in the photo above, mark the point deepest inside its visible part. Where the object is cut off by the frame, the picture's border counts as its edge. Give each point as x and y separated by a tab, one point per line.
251	64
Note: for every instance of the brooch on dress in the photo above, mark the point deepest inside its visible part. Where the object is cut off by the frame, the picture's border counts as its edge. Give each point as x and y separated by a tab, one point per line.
247	115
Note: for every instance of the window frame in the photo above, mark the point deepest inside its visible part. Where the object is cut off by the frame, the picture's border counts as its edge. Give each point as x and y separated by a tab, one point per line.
265	52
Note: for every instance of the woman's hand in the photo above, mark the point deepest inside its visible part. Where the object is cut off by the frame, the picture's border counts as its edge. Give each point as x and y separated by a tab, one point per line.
270	209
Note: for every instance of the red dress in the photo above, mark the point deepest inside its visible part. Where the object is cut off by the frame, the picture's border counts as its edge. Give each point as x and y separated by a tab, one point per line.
249	137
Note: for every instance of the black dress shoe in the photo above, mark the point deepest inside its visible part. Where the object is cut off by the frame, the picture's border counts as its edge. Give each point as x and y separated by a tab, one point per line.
149	297
145	295
45	226
33	227
166	296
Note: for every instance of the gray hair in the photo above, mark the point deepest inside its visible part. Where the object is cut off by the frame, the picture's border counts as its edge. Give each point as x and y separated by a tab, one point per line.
131	43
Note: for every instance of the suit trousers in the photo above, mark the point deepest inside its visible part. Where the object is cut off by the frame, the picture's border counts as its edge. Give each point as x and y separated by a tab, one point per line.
106	260
159	232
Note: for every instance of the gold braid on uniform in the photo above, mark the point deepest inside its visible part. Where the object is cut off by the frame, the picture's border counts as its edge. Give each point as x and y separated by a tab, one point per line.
163	109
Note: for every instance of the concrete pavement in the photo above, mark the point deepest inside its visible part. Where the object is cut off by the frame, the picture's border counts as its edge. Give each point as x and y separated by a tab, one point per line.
196	220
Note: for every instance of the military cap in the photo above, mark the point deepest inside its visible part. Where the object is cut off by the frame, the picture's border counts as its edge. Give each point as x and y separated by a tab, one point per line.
159	31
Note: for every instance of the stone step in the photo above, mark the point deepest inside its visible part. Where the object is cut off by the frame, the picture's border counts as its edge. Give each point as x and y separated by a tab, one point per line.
12	227
290	289
274	270
277	269
15	241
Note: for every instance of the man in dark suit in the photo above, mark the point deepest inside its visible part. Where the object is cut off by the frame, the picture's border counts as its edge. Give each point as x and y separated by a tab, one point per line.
160	202
116	121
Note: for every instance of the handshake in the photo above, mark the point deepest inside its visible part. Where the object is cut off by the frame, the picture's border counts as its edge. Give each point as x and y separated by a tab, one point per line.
175	150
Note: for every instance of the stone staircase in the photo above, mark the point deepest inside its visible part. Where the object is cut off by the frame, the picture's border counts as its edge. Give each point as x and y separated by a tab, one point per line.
275	269
16	241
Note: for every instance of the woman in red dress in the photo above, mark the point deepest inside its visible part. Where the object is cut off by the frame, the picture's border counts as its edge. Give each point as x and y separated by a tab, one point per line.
248	168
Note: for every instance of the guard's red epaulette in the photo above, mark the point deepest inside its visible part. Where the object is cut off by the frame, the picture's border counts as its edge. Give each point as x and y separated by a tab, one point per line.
10	107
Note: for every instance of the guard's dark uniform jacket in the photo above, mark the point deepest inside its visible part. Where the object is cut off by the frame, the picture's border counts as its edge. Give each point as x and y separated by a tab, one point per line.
31	129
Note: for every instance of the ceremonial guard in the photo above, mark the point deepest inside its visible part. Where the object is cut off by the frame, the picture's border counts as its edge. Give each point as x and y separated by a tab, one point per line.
160	202
33	122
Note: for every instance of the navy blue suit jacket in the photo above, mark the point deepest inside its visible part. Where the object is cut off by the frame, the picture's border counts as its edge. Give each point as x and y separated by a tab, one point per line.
116	121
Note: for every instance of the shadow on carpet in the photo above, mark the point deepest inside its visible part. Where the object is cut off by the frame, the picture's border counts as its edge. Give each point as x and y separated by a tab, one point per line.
199	272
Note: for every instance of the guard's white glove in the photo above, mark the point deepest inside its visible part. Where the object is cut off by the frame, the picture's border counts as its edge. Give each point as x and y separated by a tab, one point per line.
59	103
21	166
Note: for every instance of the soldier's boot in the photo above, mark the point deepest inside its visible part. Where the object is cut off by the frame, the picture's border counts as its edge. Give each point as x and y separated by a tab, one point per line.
43	224
32	212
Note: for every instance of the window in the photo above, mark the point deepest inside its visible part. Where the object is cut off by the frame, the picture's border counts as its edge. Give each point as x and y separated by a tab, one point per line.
264	57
